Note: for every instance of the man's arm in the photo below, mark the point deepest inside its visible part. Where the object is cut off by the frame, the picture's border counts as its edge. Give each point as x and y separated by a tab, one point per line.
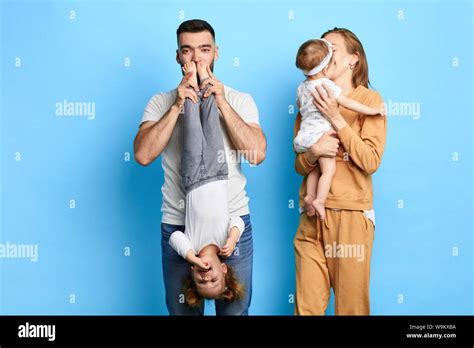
153	137
247	138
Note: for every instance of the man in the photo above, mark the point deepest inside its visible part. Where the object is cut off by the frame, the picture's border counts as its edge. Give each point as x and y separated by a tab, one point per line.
160	133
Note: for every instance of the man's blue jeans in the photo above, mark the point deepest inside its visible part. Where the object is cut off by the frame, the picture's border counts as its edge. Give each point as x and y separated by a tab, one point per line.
176	269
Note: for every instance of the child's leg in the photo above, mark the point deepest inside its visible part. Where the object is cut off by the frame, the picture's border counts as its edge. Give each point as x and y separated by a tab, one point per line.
311	187
213	147
191	157
328	169
214	155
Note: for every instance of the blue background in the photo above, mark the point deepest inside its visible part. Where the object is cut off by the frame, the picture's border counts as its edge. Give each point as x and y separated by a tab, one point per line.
423	198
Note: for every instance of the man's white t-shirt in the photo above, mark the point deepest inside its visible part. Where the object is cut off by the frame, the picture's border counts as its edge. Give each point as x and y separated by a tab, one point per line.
173	207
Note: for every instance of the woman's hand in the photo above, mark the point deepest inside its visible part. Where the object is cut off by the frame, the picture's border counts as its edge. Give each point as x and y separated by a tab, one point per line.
328	106
326	146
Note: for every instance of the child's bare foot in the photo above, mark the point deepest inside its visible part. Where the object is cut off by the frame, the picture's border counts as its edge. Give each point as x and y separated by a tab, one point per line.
202	71
191	67
318	204
308	200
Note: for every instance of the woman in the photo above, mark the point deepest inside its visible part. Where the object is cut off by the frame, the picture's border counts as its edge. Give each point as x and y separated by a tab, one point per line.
337	253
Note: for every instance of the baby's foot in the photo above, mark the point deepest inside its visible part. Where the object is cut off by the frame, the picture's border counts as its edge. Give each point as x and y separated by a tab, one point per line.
318	204
308	200
191	67
202	71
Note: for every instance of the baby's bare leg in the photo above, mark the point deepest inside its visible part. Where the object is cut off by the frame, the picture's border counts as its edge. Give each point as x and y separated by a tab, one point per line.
328	169
311	187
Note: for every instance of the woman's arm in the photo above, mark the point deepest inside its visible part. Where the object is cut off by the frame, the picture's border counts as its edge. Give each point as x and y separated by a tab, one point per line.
302	165
365	149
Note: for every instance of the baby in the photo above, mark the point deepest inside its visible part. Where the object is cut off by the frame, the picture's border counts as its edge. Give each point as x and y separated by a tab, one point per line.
314	58
210	231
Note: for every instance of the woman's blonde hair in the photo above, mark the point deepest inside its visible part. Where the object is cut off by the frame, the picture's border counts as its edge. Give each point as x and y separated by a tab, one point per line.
234	290
360	75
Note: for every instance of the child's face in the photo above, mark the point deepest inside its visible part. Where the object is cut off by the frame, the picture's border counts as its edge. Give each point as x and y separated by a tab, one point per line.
210	283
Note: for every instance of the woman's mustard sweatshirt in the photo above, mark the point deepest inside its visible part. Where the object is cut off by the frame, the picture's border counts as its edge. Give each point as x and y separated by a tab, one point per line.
360	152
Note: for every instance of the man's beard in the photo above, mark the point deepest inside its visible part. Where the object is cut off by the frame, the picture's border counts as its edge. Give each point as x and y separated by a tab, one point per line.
199	81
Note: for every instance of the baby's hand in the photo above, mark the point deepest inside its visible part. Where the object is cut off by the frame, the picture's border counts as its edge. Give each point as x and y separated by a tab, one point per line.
202	265
196	261
380	111
229	246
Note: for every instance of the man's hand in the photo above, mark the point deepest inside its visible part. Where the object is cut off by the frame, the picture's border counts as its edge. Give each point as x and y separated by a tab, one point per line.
229	245
216	87
247	138
186	89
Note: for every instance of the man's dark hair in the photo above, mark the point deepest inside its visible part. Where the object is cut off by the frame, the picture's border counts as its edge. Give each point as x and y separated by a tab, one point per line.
195	26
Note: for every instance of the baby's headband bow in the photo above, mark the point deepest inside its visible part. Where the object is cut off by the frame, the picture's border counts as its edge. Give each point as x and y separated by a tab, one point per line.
324	63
